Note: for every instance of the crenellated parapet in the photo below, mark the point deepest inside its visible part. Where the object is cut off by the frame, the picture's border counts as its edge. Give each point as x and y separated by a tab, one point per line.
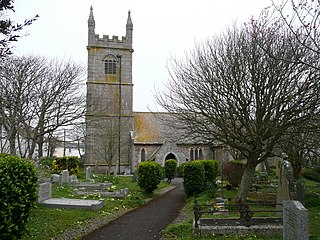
94	40
108	41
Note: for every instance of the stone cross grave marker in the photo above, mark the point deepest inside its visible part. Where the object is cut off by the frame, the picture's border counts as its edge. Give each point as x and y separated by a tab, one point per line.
295	221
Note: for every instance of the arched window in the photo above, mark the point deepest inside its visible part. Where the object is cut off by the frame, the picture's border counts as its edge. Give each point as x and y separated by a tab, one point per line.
143	155
196	157
200	154
110	65
191	154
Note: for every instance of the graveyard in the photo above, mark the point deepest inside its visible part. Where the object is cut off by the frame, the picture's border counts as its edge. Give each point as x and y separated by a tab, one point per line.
184	226
56	221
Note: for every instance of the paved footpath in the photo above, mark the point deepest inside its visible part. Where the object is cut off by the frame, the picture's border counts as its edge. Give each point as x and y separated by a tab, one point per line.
146	222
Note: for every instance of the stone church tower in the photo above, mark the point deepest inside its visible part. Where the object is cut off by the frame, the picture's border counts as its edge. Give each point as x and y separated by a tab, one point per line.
109	116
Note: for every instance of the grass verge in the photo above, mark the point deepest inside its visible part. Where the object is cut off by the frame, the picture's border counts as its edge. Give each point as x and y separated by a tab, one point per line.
47	223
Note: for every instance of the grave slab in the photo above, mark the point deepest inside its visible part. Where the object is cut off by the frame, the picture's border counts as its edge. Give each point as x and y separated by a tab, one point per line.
73	203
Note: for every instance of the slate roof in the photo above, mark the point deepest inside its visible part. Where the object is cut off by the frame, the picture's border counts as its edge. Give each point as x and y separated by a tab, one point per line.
157	128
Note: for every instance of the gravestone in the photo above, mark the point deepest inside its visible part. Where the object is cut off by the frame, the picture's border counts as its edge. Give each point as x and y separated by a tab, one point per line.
44	198
135	176
88	173
45	191
64	176
73	179
286	187
55	178
300	192
295	221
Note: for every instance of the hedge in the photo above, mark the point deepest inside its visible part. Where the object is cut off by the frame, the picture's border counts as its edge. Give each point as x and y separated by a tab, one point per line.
62	163
170	168
18	187
193	177
149	175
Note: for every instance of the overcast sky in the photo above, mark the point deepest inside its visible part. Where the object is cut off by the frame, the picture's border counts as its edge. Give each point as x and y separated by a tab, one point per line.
161	30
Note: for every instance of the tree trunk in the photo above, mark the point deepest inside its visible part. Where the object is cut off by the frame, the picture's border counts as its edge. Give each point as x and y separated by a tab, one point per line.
12	142
40	147
245	184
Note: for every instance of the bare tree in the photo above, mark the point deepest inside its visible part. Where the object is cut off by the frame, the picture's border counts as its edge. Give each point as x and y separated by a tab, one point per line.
299	144
9	31
302	19
229	89
37	97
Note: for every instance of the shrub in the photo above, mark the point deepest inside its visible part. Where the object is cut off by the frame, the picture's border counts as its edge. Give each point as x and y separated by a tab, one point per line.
18	187
70	163
210	170
311	174
233	171
149	175
170	168
46	161
193	177
180	169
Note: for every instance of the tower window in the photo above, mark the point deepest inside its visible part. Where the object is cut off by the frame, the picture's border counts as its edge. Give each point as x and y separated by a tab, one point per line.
110	67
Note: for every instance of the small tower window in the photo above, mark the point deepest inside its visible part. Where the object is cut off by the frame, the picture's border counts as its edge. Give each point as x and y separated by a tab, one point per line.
110	67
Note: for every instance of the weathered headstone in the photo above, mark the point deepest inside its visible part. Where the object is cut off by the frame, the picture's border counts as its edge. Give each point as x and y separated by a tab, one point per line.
300	192
286	187
64	177
135	176
45	191
88	173
73	179
55	178
295	221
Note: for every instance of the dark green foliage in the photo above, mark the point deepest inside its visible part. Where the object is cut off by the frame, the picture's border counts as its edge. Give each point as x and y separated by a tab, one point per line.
233	171
193	177
70	163
46	161
170	168
311	174
210	170
18	188
149	175
180	169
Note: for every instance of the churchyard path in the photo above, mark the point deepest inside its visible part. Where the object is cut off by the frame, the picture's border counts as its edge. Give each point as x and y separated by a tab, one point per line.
146	222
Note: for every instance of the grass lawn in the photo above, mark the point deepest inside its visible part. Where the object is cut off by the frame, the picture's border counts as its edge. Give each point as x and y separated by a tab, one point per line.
184	230
46	223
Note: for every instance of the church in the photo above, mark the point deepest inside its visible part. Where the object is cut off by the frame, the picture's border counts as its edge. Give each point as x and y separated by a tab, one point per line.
117	138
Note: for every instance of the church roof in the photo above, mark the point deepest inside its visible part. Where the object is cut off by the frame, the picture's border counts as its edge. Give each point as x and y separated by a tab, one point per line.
157	128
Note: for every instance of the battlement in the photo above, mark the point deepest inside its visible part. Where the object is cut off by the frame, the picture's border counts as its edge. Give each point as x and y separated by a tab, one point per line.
114	39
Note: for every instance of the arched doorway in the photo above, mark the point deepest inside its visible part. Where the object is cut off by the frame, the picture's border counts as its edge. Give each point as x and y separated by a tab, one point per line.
170	156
